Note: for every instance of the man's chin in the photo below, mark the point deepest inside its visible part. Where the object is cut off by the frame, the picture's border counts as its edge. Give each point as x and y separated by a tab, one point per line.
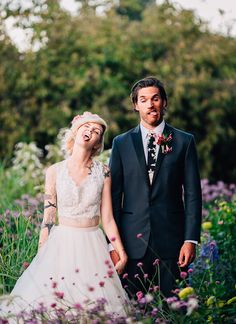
155	121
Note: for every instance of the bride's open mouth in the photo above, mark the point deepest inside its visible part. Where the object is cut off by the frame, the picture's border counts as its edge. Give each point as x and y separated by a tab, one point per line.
86	136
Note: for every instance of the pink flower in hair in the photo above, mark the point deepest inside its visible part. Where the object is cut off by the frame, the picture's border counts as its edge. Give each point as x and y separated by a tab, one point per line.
75	119
85	115
89	114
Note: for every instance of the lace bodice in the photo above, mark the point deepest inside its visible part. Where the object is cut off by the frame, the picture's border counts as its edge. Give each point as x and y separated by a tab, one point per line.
79	201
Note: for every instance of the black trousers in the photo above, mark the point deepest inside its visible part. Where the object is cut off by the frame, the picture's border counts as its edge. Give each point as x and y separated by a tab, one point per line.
150	273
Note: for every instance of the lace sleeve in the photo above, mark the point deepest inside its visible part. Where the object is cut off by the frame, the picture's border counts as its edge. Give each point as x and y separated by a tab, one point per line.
50	205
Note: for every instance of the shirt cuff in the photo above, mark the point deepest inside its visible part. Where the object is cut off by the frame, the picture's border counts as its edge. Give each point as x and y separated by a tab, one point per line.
110	247
192	241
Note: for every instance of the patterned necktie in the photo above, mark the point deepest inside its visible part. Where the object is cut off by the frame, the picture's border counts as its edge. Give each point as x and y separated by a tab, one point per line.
152	158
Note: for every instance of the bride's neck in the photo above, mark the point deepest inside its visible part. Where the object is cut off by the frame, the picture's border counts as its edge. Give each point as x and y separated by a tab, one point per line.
80	158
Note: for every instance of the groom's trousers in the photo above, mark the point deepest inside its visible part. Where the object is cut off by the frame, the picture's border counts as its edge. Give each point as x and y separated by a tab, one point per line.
150	272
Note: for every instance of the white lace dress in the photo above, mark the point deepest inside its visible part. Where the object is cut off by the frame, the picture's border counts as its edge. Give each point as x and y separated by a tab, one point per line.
73	266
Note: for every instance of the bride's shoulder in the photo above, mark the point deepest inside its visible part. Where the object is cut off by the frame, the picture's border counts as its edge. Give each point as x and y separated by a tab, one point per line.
52	169
104	168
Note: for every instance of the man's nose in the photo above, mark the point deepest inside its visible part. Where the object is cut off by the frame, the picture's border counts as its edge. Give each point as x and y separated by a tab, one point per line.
150	103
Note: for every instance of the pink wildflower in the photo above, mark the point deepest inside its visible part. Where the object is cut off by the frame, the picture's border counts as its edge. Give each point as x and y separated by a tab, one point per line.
156	262
139	295
183	274
101	283
59	294
54	284
139	264
156	288
78	306
25	265
110	273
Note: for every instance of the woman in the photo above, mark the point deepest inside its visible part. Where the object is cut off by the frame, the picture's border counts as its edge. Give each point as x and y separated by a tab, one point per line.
73	265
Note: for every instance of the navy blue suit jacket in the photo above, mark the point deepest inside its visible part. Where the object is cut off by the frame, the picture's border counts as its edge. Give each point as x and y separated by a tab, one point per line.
170	209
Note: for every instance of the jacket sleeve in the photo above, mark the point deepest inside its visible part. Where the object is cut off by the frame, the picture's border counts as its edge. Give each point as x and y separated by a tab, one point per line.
192	193
117	181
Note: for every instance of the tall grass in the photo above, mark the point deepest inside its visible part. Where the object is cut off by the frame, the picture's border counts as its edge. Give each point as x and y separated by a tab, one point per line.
19	227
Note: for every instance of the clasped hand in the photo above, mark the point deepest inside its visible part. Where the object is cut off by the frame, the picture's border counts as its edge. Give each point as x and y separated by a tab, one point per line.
120	265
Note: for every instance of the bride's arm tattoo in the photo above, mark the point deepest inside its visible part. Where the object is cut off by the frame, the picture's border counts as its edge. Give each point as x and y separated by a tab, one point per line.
106	171
48	222
50	205
48	226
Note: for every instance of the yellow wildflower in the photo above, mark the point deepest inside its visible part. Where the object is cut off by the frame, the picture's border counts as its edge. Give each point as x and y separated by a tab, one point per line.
186	292
211	300
231	300
206	225
222	203
220	303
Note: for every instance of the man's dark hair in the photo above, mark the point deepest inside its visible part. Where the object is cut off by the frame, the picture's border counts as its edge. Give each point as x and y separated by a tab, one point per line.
147	82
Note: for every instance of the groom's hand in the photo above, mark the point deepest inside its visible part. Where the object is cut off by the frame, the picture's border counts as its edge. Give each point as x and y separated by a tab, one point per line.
187	254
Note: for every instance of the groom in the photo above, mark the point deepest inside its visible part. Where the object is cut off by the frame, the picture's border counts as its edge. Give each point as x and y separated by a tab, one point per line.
156	193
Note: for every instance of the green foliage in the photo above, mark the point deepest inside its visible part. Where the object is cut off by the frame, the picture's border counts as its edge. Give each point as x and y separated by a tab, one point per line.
214	269
10	188
222	218
27	164
89	61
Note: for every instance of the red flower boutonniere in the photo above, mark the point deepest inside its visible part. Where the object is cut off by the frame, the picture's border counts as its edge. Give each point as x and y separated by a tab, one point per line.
165	142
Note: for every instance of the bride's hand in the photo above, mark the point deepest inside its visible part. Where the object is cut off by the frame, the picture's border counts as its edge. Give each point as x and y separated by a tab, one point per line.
120	265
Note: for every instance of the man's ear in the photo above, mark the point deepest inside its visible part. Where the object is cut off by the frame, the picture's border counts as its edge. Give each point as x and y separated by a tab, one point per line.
136	108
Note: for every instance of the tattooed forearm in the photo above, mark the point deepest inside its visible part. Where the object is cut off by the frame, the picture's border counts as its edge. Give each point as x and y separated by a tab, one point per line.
50	205
48	226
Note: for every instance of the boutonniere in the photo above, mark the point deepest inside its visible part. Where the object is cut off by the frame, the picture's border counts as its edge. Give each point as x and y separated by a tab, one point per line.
165	142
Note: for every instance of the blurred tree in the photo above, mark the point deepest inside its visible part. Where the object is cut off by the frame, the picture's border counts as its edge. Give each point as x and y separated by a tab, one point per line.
133	9
90	60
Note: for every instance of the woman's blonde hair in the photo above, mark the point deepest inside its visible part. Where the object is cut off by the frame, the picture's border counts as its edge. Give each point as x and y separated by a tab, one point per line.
69	134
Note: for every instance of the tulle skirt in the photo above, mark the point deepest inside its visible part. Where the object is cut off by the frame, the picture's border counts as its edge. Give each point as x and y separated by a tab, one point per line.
73	267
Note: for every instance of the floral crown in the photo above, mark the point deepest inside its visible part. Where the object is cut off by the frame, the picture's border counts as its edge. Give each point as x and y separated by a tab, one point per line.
87	117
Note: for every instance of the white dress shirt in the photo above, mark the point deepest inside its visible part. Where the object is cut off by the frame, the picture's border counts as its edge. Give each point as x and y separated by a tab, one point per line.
144	132
158	131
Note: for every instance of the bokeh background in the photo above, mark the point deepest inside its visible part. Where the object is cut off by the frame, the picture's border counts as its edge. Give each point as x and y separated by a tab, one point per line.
88	59
55	63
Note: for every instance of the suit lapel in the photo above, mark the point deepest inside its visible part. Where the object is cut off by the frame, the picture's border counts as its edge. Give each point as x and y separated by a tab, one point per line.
138	145
161	155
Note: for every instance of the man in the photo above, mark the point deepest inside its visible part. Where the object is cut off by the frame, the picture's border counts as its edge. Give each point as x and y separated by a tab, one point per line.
156	193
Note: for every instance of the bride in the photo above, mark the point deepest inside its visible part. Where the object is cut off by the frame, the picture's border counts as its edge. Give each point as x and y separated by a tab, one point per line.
73	264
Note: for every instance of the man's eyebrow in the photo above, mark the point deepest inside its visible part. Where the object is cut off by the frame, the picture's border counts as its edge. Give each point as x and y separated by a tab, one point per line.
156	94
